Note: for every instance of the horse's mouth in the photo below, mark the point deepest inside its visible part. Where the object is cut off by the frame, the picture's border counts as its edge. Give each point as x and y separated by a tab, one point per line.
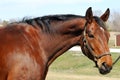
104	69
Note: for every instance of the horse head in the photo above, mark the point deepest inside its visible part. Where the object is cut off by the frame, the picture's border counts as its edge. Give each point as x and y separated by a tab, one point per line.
95	41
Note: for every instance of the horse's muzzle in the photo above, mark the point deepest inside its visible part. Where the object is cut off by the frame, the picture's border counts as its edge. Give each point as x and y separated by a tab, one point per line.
104	69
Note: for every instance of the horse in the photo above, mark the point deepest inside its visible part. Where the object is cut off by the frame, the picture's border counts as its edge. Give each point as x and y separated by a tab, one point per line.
28	47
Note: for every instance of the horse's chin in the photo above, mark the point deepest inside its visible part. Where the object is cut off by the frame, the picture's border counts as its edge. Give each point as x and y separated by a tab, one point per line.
103	72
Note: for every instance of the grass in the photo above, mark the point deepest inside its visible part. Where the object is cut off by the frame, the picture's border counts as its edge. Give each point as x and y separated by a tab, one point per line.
78	64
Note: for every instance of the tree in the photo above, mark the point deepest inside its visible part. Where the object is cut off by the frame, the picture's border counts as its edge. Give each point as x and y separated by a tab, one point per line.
4	22
115	21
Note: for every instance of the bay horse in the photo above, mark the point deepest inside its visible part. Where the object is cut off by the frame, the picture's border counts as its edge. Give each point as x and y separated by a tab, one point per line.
28	47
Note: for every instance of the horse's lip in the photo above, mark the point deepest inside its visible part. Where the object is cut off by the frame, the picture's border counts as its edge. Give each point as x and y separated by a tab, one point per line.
105	70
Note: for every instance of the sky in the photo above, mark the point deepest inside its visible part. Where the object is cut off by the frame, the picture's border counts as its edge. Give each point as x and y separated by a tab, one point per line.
17	9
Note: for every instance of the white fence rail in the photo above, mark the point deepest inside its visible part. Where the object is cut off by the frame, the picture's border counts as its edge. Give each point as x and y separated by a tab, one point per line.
76	48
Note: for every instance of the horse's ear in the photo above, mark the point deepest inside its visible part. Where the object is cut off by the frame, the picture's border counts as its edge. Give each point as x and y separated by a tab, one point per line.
105	16
89	15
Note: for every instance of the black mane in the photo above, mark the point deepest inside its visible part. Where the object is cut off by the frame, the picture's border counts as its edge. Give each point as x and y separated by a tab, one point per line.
54	17
44	22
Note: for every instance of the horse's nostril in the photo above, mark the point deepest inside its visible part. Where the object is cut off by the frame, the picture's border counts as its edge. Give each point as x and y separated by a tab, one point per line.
105	68
104	63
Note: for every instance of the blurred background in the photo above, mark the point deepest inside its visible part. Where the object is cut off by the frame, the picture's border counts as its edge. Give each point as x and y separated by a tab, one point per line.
72	65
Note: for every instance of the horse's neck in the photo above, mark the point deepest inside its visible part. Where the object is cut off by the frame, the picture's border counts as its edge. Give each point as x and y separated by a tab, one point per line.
58	43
